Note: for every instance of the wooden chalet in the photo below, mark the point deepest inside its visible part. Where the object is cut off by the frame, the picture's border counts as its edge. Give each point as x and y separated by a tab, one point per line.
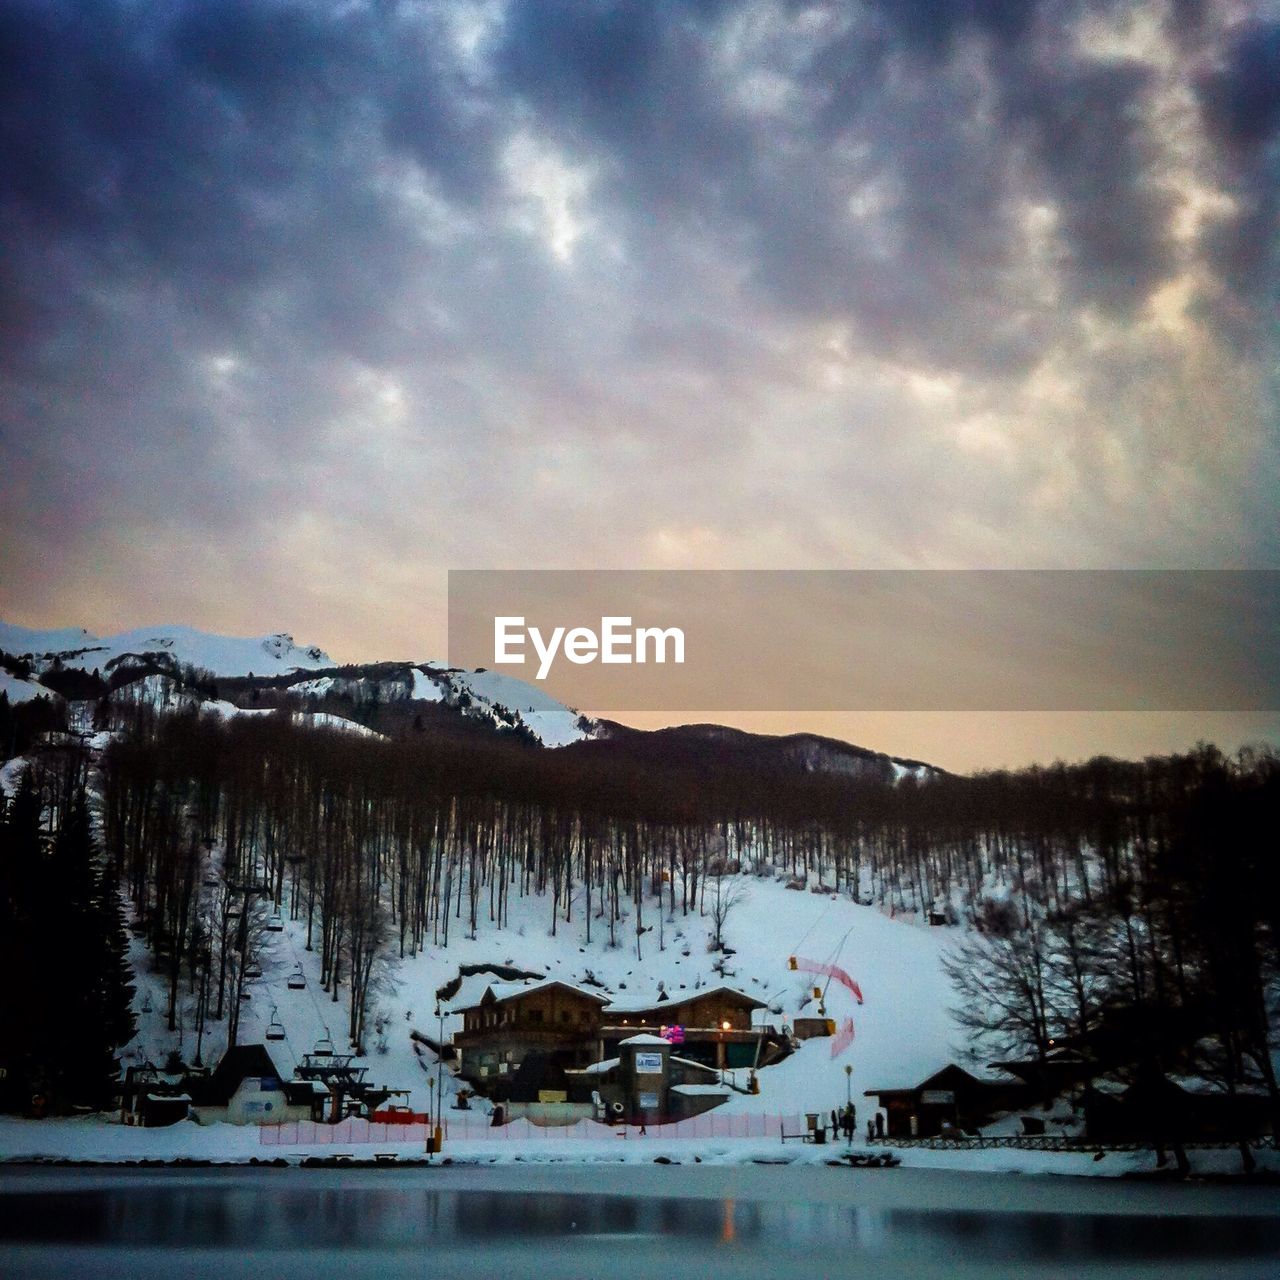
952	1097
528	1032
712	1026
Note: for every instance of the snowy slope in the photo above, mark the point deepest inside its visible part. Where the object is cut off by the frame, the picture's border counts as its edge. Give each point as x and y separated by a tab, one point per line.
222	655
551	722
903	1031
164	693
481	694
21	690
24	640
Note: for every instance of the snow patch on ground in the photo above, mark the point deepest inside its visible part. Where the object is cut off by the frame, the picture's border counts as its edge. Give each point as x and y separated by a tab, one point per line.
550	721
22	690
425	689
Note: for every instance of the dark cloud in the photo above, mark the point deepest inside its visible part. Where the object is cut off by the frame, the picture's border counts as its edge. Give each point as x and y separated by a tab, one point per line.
1240	103
1088	129
933	28
283	274
1241	99
222	150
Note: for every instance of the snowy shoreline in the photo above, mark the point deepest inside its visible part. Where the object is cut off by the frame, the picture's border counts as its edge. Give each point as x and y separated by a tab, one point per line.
29	1143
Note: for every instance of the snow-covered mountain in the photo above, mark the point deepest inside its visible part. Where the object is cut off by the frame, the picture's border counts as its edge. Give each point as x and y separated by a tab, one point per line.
241	665
219	655
443	697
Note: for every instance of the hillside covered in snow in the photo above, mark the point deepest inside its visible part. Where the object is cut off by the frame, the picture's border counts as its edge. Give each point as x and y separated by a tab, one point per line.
232	673
354	855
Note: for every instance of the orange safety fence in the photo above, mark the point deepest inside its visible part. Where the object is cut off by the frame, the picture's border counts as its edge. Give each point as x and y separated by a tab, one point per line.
352	1132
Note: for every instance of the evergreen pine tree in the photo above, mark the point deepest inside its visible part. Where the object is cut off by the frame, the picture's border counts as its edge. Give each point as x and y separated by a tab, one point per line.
62	936
20	845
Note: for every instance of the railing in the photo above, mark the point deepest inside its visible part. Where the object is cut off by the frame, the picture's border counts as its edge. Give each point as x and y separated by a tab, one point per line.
1047	1142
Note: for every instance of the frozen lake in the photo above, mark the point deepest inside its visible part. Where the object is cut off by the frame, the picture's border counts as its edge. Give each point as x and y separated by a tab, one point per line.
584	1221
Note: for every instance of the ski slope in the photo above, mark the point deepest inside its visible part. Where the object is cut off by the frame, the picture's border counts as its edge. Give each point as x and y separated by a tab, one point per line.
903	1031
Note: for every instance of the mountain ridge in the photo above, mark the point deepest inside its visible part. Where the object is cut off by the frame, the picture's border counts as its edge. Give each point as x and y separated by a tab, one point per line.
242	669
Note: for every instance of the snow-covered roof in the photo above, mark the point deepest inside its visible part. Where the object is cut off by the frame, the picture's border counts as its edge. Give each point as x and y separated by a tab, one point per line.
979	1075
1201	1087
503	991
701	1066
645	1038
1110	1087
597	1068
315	1086
674	1000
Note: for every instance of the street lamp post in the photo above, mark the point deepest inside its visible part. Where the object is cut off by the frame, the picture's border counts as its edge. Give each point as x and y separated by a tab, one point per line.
848	1095
431	1107
439	1133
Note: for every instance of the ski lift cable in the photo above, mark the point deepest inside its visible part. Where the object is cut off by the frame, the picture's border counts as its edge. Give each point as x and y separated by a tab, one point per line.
833	957
795	950
315	1004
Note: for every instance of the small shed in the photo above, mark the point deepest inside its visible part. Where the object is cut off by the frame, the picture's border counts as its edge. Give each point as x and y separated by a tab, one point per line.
247	1088
151	1101
644	1072
951	1097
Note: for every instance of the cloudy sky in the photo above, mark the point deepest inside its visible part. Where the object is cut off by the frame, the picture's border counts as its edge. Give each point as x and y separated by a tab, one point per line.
303	304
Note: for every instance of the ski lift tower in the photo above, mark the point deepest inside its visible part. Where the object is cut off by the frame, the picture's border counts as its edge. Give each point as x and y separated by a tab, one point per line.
336	1072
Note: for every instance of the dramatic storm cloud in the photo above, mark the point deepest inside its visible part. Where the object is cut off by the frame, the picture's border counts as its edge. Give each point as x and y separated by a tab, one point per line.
303	303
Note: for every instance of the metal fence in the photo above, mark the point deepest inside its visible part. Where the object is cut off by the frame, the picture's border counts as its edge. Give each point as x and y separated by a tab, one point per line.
355	1132
1049	1142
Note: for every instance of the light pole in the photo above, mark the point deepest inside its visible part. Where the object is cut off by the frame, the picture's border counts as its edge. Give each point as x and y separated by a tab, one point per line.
431	1107
848	1097
439	1133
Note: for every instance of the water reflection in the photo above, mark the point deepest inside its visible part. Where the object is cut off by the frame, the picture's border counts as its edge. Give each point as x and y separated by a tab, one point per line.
296	1216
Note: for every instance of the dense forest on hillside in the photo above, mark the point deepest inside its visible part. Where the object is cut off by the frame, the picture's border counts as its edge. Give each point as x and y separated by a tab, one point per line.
1126	909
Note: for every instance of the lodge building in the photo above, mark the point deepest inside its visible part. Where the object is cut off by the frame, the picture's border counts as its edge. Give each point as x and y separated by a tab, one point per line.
521	1037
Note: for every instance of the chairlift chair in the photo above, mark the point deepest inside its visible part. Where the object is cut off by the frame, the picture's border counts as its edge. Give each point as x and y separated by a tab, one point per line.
252	973
297	980
275	1028
324	1046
